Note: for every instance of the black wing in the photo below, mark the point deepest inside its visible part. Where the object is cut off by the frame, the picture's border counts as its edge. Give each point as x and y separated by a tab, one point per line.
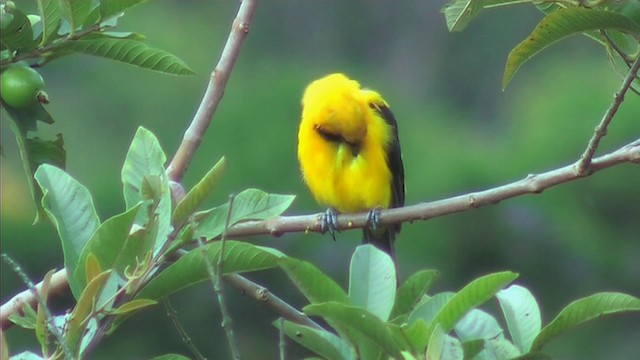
394	156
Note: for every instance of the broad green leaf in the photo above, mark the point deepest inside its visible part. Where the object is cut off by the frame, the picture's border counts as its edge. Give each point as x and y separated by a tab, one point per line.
33	150
444	347
196	196
132	306
111	245
109	8
372	281
171	356
17	34
358	320
560	24
498	348
75	12
190	269
131	52
583	310
313	283
145	157
416	334
70	208
412	290
84	308
475	293
50	14
459	13
477	324
322	342
250	204
522	314
429	308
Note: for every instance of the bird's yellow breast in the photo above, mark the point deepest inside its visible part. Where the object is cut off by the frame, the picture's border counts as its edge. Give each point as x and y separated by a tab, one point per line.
342	146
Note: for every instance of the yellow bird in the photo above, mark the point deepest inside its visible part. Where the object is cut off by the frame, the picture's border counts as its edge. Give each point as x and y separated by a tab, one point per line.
349	153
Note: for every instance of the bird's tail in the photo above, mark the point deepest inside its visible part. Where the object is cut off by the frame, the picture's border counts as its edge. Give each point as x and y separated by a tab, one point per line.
382	238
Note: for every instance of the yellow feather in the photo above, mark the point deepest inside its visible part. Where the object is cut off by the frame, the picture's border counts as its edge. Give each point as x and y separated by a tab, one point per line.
351	174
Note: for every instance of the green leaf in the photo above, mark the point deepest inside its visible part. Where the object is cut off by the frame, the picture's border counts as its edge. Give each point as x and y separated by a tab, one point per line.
498	348
313	283
196	196
190	269
17	34
144	178
84	308
50	14
359	320
112	245
412	291
477	324
372	280
250	204
26	355
70	207
109	8
133	306
41	329
131	52
475	293
145	157
583	310
27	320
255	204
33	150
522	314
75	12
416	334
429	308
560	24
459	13
322	342
444	347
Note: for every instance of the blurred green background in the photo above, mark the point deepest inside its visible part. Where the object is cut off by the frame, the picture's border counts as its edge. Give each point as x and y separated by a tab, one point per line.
459	133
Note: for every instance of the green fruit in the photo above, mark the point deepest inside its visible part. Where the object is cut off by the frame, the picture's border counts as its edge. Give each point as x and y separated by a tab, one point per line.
21	86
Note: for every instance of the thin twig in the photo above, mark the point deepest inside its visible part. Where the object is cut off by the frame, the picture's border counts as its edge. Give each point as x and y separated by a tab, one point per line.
263	295
283	344
35	292
212	96
582	166
532	184
173	315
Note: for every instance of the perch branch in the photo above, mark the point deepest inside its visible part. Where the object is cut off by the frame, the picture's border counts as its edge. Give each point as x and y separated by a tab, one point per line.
532	184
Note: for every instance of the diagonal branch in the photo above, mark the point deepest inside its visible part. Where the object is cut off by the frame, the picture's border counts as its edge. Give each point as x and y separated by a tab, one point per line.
582	166
215	89
532	184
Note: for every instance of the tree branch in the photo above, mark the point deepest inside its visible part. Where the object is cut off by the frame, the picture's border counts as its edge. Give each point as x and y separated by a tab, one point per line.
532	184
582	166
212	96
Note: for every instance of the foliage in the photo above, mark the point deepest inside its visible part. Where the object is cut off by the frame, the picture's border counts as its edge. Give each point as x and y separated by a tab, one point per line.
62	28
615	24
132	260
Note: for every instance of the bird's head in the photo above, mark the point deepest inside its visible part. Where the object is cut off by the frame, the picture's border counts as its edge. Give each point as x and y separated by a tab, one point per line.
333	107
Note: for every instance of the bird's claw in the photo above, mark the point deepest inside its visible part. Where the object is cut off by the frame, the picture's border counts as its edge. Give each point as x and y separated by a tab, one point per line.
373	219
329	222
